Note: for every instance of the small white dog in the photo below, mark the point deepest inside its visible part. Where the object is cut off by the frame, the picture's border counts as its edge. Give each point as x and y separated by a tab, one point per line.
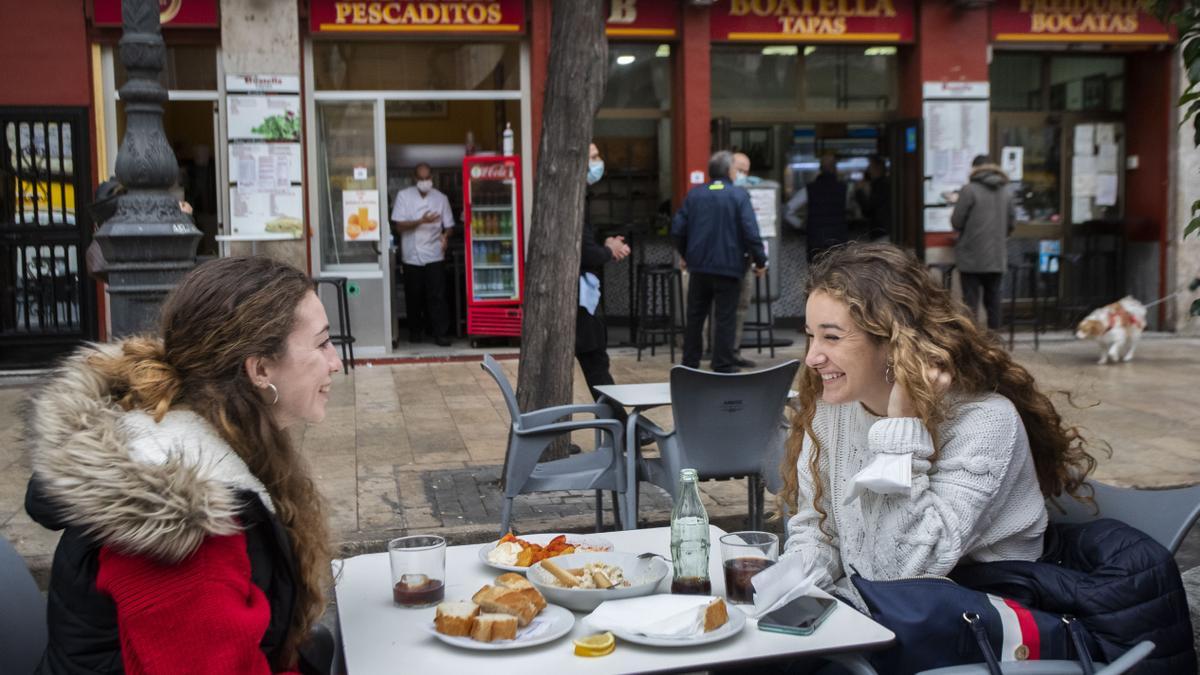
1117	327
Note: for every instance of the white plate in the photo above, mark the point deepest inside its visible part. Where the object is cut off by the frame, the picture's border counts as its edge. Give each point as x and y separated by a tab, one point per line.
735	624
593	543
559	622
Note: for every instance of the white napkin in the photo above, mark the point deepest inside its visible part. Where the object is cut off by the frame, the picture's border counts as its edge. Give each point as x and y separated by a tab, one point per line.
660	616
783	582
888	473
589	292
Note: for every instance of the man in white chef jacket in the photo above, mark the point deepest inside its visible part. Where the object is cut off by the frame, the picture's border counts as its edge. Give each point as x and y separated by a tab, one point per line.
422	218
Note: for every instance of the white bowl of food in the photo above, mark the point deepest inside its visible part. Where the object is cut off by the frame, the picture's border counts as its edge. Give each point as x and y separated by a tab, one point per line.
581	581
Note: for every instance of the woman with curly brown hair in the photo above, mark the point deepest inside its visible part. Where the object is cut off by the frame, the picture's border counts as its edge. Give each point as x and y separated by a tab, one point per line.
917	442
194	538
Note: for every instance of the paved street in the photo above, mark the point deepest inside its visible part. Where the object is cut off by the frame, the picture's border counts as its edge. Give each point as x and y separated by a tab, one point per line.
418	447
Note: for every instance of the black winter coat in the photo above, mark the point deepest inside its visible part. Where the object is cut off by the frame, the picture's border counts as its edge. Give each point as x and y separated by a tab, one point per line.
1123	586
716	229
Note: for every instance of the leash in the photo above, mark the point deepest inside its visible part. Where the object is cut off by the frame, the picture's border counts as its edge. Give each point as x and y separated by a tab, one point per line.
1191	288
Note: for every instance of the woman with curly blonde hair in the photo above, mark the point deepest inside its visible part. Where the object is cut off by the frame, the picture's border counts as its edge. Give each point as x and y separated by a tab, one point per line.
193	535
917	442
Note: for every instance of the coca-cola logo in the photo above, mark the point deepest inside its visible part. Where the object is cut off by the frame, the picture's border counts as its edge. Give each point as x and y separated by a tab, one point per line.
493	171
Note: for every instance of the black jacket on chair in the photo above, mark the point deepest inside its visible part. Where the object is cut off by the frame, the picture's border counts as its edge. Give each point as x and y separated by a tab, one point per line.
1123	586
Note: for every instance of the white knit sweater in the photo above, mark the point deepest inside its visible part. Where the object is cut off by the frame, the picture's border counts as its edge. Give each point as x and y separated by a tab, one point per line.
979	502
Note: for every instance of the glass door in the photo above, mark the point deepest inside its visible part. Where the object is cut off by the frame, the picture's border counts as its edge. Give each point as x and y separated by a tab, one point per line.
353	231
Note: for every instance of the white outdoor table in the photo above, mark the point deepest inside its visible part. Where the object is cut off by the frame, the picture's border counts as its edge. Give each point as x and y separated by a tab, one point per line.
380	637
640	398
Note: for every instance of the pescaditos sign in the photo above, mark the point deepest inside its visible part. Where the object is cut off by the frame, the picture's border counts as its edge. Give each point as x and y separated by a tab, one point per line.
1075	21
405	16
877	21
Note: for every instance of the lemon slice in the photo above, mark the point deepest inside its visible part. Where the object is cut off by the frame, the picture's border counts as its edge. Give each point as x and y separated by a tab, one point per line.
600	644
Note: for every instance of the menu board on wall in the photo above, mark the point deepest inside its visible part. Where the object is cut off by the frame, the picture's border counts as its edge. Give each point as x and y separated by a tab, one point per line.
956	131
765	201
1056	21
504	17
265	172
874	21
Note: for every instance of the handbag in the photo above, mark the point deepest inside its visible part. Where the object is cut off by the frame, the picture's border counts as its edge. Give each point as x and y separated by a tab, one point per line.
939	623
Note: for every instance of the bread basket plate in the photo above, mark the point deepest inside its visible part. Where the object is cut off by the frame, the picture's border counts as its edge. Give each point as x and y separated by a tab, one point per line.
550	624
582	542
735	624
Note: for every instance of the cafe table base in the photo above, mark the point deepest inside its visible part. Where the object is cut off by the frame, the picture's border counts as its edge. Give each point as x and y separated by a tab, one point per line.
379	637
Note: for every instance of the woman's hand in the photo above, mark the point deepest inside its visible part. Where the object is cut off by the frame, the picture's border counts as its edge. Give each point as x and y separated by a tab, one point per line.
900	405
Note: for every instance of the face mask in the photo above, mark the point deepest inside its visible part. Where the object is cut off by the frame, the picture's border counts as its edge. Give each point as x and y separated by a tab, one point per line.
424	186
595	171
740	178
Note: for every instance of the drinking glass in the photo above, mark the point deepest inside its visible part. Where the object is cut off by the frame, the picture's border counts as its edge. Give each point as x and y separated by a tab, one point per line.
418	570
744	554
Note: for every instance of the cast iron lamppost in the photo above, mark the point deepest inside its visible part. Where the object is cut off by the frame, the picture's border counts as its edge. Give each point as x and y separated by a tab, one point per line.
149	244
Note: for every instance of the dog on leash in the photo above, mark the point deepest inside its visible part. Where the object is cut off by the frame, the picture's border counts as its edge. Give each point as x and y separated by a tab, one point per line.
1117	327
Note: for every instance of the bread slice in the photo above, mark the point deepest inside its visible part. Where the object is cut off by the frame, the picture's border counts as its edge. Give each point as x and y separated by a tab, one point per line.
492	627
715	615
455	618
523	586
500	600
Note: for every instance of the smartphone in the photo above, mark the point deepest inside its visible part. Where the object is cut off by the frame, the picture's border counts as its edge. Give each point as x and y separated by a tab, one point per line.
801	616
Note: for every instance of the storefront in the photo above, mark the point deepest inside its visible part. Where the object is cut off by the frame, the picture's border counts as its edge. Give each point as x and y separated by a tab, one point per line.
1080	117
389	86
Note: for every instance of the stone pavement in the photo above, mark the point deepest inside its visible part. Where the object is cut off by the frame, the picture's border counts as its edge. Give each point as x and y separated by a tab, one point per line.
418	447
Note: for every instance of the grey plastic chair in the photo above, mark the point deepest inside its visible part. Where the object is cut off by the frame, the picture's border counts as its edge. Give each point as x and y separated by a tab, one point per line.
1165	515
727	425
23	618
532	432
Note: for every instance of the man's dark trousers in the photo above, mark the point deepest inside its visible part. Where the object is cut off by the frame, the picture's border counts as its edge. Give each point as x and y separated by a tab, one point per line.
425	299
705	291
989	284
591	350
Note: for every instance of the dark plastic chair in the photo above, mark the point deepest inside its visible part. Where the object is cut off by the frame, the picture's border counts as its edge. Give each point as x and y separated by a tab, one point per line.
344	337
727	425
23	619
532	432
1165	515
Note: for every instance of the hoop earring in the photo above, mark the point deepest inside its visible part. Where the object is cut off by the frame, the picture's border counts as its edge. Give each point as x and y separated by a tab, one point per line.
275	390
889	374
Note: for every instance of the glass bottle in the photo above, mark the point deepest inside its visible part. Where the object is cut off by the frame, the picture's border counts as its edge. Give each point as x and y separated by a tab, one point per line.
689	538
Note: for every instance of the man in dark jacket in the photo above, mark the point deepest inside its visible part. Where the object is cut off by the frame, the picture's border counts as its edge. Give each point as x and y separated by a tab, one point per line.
983	218
714	231
826	210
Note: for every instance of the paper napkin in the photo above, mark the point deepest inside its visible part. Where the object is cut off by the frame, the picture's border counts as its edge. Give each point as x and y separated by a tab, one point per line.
660	616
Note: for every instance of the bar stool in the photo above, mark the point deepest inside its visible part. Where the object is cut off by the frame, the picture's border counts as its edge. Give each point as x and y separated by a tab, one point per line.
344	337
659	289
760	326
1015	271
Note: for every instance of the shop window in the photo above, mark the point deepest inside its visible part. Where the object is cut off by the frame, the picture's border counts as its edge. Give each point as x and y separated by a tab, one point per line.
1016	82
1087	83
639	77
188	67
1038	192
788	78
345	161
1074	83
416	66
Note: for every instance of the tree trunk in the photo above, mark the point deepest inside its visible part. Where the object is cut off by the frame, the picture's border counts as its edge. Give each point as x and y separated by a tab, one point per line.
576	73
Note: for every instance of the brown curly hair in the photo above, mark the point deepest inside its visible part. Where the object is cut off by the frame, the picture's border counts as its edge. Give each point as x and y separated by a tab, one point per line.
894	300
221	313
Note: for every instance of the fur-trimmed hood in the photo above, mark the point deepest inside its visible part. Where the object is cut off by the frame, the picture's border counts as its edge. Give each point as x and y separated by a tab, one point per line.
146	488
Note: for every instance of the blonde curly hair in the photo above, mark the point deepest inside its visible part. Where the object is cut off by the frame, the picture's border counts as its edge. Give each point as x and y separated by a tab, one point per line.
893	299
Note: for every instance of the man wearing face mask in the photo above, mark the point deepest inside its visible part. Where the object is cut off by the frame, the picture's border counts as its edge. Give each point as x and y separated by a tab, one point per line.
591	335
422	218
743	179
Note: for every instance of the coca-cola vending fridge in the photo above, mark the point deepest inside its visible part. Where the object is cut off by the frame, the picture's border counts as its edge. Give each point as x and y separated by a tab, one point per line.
495	261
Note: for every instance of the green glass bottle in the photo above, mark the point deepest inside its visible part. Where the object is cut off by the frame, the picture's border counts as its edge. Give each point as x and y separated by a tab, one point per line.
689	538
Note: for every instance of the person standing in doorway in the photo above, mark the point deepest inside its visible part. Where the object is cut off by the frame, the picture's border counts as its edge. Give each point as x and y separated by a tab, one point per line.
421	216
874	197
827	205
743	179
591	334
713	232
983	217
